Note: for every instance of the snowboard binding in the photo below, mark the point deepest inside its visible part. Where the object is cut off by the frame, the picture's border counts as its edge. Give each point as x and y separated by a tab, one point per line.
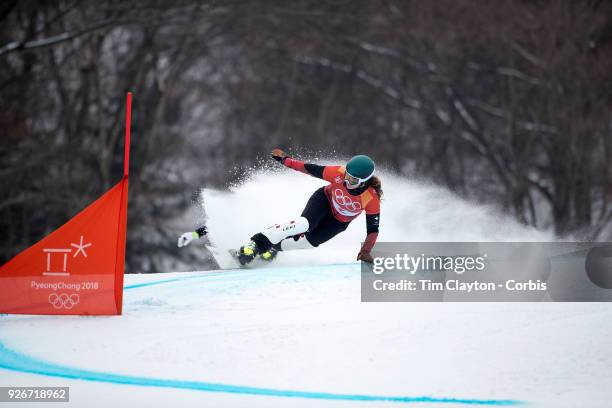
269	255
249	251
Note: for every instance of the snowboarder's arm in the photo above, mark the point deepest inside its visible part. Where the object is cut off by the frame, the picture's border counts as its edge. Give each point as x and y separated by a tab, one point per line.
372	223
366	247
187	237
201	231
307	168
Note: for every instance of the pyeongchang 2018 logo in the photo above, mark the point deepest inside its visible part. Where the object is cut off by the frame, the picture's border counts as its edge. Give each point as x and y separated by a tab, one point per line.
344	205
63	300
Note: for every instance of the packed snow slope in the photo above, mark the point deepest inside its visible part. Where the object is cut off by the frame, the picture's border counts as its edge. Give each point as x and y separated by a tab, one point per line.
296	334
300	337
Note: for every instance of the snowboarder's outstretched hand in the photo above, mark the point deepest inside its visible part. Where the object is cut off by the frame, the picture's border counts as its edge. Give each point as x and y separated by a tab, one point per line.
279	155
186	238
365	256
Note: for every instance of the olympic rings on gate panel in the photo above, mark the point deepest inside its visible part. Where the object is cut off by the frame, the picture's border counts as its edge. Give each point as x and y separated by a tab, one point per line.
63	300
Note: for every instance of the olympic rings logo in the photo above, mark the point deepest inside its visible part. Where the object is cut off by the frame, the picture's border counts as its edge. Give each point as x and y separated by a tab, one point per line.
346	201
63	300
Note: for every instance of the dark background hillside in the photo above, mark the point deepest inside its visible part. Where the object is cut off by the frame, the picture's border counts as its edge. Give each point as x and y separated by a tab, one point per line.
508	103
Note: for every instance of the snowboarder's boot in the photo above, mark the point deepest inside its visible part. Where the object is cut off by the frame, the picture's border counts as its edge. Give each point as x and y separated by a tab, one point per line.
269	255
247	253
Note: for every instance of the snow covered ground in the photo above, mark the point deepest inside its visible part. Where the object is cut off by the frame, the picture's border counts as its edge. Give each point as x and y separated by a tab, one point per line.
296	334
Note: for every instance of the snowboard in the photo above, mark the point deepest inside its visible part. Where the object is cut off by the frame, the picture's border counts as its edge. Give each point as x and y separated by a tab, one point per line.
228	259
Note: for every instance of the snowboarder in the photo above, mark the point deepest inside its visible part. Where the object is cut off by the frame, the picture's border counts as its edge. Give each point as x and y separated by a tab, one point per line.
352	189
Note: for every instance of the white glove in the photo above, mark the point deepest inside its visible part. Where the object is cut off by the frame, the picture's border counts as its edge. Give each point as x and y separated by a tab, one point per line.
186	238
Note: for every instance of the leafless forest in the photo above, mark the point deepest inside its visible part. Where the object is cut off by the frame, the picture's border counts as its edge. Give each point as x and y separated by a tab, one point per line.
503	102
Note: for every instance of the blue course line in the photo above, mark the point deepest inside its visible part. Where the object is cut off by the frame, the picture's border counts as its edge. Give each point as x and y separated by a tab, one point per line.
159	282
15	361
12	360
142	285
224	273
